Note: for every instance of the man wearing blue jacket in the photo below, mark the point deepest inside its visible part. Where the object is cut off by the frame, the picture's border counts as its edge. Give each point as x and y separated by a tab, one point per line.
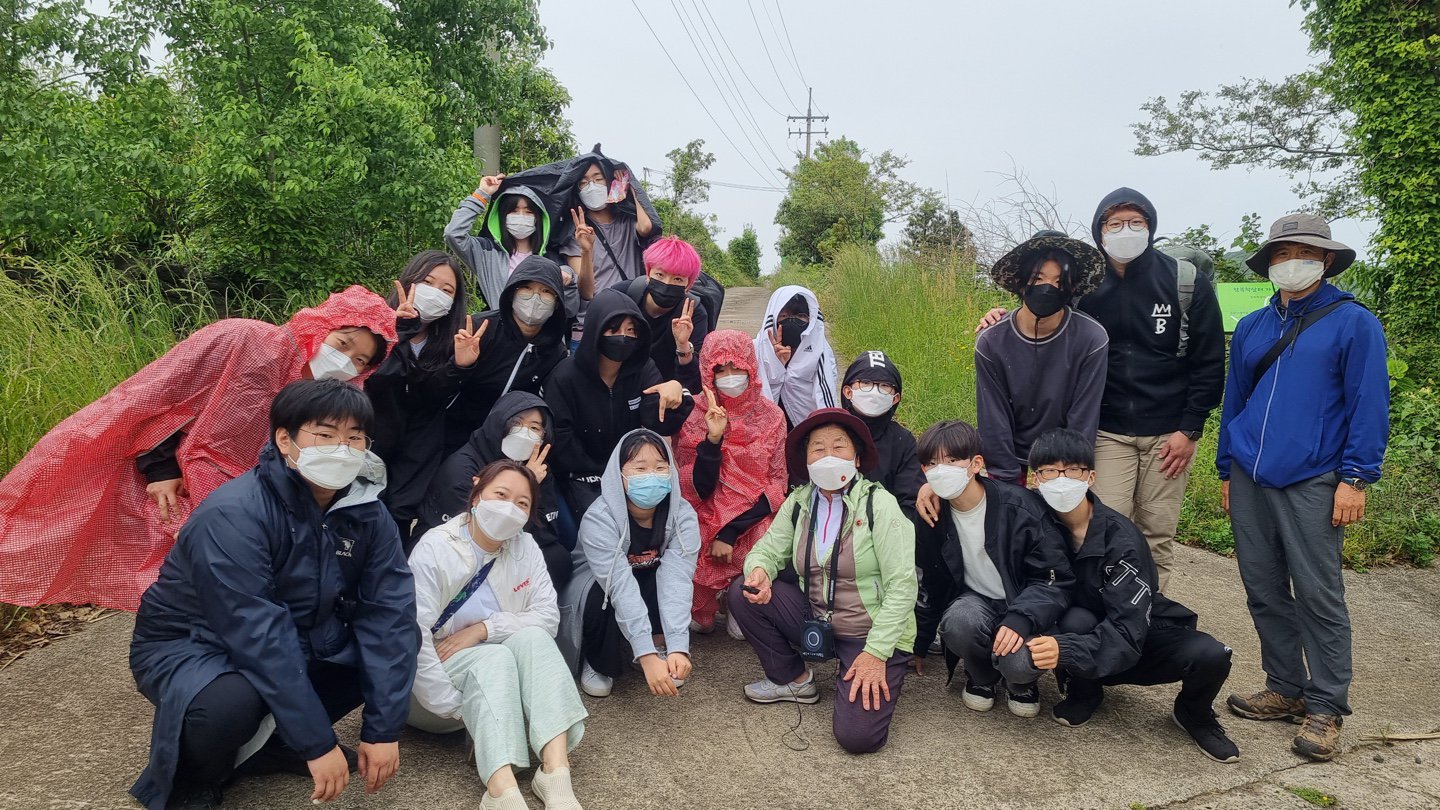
1302	434
286	596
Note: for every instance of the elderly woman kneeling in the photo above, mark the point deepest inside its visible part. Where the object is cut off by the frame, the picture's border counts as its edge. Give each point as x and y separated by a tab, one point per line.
854	551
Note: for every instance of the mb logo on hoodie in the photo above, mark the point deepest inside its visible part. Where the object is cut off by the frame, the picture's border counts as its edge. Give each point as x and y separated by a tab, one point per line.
1161	314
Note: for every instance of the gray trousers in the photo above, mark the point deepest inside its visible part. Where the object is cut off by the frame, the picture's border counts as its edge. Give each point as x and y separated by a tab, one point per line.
1290	563
968	630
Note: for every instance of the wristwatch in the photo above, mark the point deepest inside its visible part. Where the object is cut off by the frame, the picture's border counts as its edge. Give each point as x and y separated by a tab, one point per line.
1193	435
686	352
1357	484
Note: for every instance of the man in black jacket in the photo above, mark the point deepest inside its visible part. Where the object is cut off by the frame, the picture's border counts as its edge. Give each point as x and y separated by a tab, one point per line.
1121	629
1003	574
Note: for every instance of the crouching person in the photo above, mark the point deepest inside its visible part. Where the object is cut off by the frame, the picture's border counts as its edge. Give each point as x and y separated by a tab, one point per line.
1120	629
488	616
284	605
1003	575
855	553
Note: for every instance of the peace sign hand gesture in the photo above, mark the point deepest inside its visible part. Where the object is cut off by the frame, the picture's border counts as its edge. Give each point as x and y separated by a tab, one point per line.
716	420
684	324
537	463
467	342
584	234
781	350
405	307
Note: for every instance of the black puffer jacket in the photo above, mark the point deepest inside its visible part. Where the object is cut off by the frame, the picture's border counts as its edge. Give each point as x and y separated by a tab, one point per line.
508	360
450	491
1149	389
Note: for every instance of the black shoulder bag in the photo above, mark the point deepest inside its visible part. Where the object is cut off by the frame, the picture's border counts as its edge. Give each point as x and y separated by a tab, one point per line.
1288	339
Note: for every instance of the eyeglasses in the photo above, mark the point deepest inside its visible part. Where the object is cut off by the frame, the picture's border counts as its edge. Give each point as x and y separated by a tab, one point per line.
1051	473
1114	225
867	386
545	295
326	442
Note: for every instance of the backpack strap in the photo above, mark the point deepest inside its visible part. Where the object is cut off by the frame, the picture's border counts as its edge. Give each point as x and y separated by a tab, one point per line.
1185	285
1288	339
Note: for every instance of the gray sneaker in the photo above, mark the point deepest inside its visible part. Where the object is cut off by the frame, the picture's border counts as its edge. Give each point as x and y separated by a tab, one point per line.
767	691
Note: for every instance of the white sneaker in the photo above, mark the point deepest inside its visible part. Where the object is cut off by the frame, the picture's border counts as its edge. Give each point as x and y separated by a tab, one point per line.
511	799
733	628
767	691
593	683
554	789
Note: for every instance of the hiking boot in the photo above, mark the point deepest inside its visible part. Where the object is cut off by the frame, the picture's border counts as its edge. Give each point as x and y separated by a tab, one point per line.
1206	731
1267	704
767	691
206	798
978	698
1023	700
593	683
1319	738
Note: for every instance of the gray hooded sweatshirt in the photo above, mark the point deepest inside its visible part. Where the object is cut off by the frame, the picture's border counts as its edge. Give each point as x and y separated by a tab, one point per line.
602	556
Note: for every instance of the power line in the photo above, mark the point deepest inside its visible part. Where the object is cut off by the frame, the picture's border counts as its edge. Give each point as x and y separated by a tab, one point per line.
705	63
737	61
741	186
779	10
719	59
698	100
776	32
770	58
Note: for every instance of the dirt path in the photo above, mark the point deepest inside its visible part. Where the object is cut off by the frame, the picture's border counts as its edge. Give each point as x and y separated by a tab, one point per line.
74	733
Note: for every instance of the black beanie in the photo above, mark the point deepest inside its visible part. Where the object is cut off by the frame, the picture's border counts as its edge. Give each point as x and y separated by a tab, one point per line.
874	366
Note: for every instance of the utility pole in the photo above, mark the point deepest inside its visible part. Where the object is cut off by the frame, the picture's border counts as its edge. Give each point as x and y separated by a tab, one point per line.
809	118
486	138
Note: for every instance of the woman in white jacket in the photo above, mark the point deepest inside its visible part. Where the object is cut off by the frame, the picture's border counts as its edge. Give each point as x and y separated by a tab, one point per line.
488	662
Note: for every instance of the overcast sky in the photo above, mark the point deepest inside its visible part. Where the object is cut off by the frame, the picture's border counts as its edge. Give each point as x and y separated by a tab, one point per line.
962	89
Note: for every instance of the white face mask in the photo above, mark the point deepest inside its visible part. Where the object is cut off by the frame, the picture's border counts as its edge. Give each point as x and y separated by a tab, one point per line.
520	225
948	480
519	443
872	403
329	363
732	385
499	520
432	304
1126	245
592	195
1294	275
533	310
831	472
330	467
1064	493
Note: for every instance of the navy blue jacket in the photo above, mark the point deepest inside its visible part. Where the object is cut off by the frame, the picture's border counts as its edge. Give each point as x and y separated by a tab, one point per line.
1323	406
261	582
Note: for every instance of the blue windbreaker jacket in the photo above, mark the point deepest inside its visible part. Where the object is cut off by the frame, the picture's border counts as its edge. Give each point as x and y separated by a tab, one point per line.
1323	406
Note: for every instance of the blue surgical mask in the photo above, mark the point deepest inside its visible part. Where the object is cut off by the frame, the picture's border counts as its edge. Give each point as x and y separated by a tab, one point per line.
647	491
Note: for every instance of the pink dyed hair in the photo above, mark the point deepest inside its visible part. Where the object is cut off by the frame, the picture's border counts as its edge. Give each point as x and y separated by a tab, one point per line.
673	255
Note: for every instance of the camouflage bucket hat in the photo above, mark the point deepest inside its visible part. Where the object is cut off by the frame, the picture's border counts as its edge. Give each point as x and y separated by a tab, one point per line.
1013	271
1306	229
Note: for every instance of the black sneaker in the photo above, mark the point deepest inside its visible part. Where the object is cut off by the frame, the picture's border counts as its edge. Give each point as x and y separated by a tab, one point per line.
1023	700
207	798
1207	733
277	757
978	698
1076	710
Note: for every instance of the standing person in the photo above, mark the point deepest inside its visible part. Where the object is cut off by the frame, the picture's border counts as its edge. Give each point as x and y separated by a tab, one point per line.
488	663
1302	435
1043	366
130	466
678	321
1121	629
731	454
1004	574
631	601
521	429
286	595
797	366
608	388
418	380
622	236
517	226
520	342
855	552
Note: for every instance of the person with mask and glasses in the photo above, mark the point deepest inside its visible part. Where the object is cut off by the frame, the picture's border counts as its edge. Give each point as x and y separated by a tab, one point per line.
797	365
678	321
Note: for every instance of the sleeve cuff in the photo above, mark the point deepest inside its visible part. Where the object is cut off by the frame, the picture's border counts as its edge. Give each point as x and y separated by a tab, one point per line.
1190	421
318	750
1018	623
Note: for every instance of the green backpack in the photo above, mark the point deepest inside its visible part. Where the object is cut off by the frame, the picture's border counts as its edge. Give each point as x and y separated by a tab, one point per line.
1190	262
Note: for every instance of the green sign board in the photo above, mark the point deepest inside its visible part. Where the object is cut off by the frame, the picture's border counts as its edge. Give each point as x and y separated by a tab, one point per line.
1239	300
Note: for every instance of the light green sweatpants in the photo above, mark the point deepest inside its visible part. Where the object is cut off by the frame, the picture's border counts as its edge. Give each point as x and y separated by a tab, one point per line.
518	684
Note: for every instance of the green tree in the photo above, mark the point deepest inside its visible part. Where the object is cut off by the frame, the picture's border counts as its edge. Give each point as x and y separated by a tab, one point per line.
934	232
687	187
744	253
833	200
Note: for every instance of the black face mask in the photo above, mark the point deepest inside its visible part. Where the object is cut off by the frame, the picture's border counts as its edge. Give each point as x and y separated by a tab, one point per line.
665	296
618	347
1044	300
790	331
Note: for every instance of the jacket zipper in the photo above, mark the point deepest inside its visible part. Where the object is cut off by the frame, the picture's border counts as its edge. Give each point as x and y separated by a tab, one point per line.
1265	421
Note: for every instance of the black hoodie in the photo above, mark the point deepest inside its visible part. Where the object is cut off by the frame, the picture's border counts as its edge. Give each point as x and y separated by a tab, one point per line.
449	493
1149	390
508	360
591	417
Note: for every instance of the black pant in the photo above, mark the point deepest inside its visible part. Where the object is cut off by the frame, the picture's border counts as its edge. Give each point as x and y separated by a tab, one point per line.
227	713
1171	653
604	645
